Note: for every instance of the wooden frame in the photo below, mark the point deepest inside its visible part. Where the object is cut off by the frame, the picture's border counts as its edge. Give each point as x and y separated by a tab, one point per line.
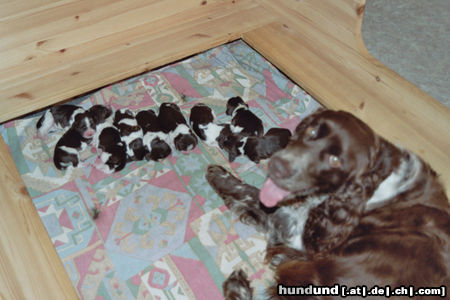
53	50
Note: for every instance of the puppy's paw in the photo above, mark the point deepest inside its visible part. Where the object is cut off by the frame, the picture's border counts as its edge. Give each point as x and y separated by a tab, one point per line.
237	286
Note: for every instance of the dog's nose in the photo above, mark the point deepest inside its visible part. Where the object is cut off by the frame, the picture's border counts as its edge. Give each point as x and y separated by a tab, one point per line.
279	168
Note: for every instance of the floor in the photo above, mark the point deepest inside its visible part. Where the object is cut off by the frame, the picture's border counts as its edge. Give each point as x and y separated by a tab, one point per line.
412	37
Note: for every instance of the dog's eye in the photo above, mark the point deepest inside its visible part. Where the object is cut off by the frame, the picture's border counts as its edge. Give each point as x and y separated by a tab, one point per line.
334	161
311	132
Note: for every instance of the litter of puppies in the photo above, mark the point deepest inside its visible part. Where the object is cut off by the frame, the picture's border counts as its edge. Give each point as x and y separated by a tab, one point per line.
123	136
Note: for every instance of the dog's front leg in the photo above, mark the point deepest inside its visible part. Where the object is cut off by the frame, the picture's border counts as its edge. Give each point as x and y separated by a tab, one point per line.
241	198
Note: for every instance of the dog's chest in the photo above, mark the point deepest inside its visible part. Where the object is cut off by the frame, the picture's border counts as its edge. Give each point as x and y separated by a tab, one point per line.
287	224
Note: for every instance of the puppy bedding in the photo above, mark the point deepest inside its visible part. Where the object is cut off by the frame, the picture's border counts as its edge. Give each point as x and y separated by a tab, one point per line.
161	232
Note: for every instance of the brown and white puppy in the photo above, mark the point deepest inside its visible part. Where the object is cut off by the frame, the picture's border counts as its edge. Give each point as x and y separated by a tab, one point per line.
131	133
348	208
107	141
232	143
74	141
155	140
202	121
243	121
263	147
173	123
112	150
59	117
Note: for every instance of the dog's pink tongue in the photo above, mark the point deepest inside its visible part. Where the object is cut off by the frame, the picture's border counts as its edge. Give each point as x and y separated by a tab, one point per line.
271	194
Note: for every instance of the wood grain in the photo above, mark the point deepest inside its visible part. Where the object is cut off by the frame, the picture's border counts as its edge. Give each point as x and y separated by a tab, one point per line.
51	50
29	265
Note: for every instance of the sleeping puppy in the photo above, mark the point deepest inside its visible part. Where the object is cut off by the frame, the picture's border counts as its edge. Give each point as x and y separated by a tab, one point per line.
74	141
113	151
262	147
57	118
110	148
154	138
231	142
131	134
172	122
243	120
202	120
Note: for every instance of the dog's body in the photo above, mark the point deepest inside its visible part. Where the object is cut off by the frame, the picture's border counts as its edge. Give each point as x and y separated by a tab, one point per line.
74	141
155	140
344	206
60	117
202	121
173	123
243	121
107	141
257	148
113	151
131	134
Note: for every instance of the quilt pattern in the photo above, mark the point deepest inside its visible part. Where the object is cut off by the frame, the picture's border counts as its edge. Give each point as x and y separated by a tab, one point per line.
162	232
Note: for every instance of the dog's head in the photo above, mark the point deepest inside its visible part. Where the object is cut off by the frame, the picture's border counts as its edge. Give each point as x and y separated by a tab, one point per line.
100	113
185	142
159	150
84	125
328	150
234	103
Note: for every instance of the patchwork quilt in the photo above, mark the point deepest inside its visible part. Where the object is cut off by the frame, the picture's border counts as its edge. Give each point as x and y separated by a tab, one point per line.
162	232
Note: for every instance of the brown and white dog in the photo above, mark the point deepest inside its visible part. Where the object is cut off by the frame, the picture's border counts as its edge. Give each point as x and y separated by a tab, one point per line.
74	140
58	117
174	124
342	205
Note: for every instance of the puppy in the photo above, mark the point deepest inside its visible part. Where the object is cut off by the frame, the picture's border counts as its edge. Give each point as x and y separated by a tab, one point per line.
230	142
202	120
155	140
113	151
131	133
257	148
74	141
110	148
172	122
60	117
243	120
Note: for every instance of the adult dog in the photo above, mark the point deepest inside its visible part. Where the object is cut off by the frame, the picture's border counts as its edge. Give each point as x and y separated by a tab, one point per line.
344	206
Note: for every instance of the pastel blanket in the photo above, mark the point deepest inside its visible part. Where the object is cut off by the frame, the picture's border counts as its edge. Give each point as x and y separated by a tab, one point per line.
162	232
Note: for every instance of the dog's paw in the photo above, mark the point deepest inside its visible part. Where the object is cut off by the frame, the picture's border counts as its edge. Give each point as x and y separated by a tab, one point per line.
220	179
237	286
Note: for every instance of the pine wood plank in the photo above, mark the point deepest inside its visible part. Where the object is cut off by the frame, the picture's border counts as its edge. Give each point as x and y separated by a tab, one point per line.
29	265
60	72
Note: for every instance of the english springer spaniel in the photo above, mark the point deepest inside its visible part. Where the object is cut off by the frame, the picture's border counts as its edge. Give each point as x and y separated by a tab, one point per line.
131	133
74	141
155	140
243	121
59	117
202	121
173	123
257	148
342	205
107	141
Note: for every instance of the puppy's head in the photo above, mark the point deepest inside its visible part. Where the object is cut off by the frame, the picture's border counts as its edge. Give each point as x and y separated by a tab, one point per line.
100	113
84	125
159	150
148	120
185	142
327	150
233	104
138	148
